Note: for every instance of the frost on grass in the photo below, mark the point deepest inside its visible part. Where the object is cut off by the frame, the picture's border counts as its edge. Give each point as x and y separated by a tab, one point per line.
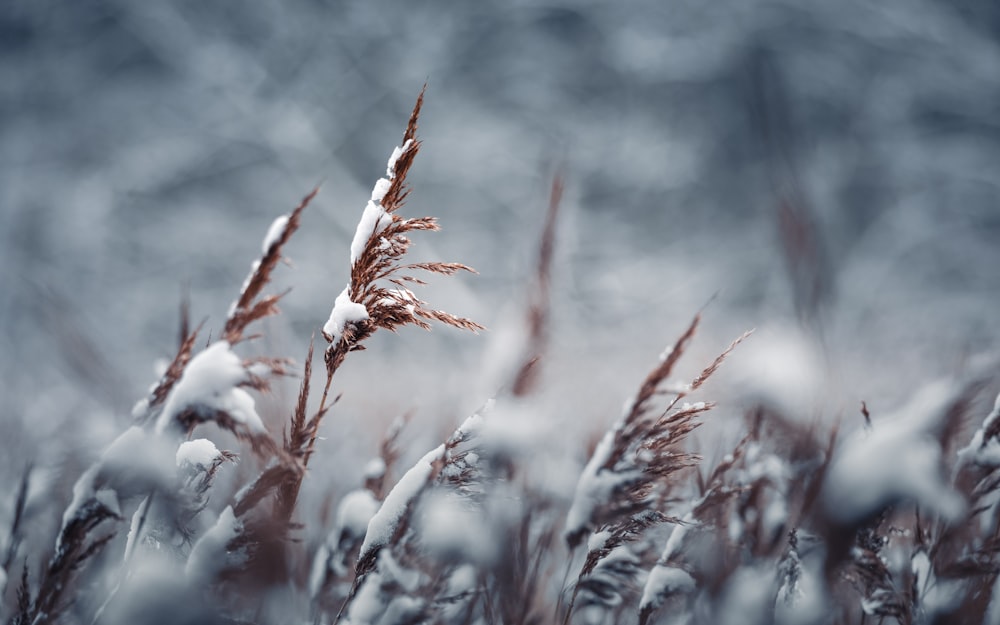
212	383
383	525
900	458
344	312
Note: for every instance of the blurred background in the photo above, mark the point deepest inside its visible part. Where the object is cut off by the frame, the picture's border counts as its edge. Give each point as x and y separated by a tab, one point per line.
823	172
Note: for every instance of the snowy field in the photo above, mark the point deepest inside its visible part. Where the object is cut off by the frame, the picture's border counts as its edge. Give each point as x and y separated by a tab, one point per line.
822	173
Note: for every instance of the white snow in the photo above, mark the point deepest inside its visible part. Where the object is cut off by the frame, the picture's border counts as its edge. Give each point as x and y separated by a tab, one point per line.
109	499
736	527
375	468
246	282
898	459
464	579
275	232
383	525
517	430
210	555
354	513
597	540
782	368
475	422
134	528
199	453
667	352
610	570
140	408
664	580
373	606
698	405
677	535
920	564
933	595
401	297
209	383
390	166
451	527
344	312
317	575
871	605
993	610
389	567
985	453
259	369
373	219
135	462
380	189
83	491
367	605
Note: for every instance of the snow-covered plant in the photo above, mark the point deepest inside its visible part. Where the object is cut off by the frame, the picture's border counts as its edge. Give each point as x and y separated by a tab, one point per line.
165	480
625	486
895	521
378	294
333	563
